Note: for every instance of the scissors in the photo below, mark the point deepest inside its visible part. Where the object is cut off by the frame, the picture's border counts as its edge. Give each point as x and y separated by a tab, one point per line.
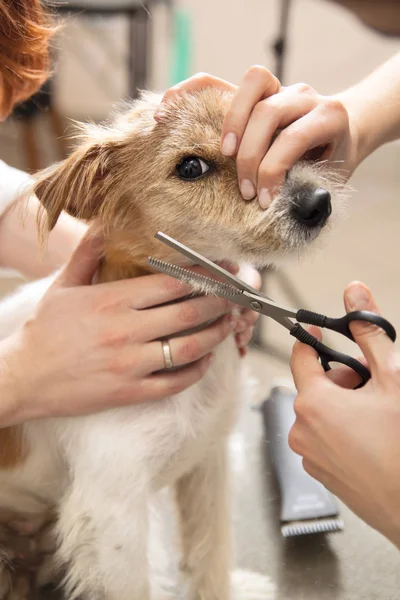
238	292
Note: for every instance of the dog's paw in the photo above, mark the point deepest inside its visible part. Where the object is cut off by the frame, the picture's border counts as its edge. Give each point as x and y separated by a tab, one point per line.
247	585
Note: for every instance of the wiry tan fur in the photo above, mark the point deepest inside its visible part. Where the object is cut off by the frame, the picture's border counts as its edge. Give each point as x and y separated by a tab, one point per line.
101	473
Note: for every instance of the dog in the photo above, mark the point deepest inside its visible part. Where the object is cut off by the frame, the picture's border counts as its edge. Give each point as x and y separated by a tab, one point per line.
92	480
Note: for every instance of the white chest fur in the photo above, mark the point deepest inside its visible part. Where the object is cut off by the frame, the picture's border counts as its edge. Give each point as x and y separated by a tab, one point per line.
102	471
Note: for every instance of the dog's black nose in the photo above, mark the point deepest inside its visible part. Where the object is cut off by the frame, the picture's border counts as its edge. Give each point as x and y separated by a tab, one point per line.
313	208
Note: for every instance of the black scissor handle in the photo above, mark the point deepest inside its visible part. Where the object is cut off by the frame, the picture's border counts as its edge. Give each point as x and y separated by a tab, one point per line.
341	325
327	355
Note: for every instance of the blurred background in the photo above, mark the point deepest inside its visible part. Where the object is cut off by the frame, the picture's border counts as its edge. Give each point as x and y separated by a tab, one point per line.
108	49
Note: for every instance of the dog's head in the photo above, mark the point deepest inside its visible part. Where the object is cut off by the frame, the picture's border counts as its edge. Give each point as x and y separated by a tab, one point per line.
136	176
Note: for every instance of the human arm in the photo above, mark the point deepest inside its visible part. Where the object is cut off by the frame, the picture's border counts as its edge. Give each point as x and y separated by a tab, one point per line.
349	439
91	347
19	247
373	106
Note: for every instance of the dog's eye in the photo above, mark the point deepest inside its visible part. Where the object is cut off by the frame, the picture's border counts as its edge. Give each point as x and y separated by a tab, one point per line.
192	168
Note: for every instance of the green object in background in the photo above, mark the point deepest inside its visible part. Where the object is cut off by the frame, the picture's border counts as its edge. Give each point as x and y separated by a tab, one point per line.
181	51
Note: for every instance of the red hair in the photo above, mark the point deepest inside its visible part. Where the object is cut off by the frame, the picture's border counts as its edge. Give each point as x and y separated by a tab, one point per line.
25	31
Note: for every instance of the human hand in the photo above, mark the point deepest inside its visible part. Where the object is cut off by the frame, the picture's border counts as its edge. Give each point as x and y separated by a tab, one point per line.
89	348
270	127
247	319
349	439
309	125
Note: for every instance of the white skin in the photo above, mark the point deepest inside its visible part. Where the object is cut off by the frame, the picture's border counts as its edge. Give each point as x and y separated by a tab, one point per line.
349	439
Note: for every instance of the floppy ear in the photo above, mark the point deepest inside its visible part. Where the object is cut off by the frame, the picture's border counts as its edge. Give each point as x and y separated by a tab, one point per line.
78	184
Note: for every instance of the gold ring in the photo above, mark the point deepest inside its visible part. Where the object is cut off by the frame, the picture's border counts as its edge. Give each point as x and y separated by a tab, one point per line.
167	354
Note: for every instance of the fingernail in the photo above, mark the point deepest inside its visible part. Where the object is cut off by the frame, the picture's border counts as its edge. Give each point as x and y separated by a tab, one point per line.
247	189
264	198
358	297
229	144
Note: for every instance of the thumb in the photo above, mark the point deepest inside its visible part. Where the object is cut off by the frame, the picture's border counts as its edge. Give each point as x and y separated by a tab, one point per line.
373	341
82	265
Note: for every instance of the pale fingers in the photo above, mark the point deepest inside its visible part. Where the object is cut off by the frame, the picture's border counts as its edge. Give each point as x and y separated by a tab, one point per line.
258	83
322	127
305	365
189	348
274	113
149	290
374	343
198	82
168	320
165	384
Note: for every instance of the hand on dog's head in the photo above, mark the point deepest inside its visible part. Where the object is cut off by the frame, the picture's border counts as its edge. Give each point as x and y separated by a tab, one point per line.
135	176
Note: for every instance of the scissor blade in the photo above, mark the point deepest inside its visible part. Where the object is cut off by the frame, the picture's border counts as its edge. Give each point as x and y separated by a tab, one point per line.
203	283
255	302
206	263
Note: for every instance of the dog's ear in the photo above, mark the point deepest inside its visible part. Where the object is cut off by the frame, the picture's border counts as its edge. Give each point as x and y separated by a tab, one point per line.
79	184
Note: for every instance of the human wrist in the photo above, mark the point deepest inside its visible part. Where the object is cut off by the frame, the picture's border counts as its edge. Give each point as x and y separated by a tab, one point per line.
373	106
363	138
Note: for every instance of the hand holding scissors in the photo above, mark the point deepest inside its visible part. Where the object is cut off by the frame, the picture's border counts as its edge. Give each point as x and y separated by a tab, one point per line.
238	292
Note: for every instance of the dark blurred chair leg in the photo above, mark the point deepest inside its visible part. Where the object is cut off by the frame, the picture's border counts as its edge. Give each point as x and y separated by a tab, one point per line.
27	113
58	130
280	49
29	143
139	31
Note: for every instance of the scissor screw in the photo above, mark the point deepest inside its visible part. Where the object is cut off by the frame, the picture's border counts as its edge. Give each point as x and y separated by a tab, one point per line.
255	305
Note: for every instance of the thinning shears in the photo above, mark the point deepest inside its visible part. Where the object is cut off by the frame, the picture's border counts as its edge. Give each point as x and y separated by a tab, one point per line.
238	292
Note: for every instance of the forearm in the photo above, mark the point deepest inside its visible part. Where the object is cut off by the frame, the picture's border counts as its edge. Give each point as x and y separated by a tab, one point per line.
8	393
374	108
19	248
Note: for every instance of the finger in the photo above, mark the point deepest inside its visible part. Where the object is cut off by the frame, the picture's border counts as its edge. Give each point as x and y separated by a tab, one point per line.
258	83
247	318
250	275
83	263
198	82
243	339
305	365
346	377
167	320
316	472
268	116
373	341
150	290
323	126
189	348
233	268
165	384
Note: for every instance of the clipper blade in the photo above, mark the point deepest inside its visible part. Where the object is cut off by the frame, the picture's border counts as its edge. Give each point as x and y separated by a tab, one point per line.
297	528
200	283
